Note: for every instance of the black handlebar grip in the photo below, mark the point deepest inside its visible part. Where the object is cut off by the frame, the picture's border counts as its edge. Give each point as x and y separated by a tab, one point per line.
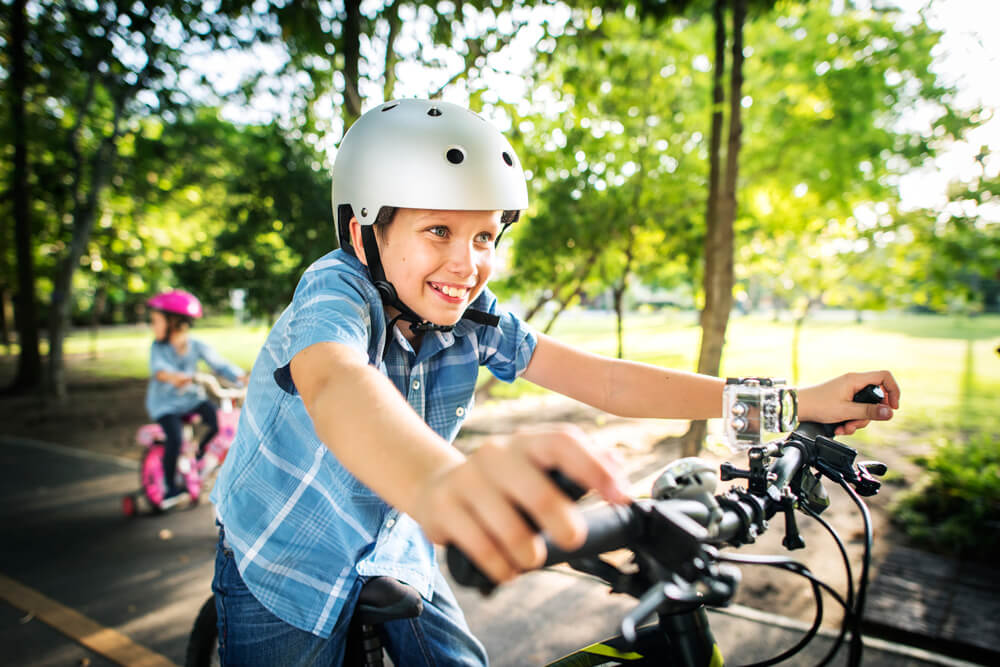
872	393
467	574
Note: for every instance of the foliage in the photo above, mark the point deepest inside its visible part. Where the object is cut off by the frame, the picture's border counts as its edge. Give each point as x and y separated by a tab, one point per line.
950	259
828	94
97	71
272	216
611	136
956	508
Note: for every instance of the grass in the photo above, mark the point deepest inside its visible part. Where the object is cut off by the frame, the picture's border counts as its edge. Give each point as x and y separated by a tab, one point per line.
946	366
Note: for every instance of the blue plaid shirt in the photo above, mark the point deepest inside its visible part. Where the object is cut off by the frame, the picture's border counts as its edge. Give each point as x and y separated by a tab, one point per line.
303	528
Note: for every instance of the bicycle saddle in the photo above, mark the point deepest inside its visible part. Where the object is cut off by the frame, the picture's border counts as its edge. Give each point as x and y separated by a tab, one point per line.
386	599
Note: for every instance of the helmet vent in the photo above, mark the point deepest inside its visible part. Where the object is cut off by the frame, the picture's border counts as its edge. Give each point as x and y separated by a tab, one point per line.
434	111
508	159
389	107
455	155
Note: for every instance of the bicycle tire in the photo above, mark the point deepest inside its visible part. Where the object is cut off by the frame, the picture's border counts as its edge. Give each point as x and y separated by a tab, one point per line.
203	643
151	475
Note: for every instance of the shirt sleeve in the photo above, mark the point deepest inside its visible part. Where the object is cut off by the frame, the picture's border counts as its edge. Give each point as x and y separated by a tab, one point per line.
327	307
158	360
505	349
217	362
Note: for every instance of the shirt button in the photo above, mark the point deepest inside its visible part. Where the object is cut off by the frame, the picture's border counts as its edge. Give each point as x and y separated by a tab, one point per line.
460	411
416	384
390	523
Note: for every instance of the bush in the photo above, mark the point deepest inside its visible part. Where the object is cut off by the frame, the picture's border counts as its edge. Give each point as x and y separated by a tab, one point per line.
955	508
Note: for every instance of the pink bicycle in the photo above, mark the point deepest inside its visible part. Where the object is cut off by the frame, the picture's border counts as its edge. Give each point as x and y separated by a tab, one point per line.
193	473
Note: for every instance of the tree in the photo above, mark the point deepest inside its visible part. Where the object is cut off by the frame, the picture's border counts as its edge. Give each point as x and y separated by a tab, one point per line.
950	260
99	69
718	277
611	140
29	360
820	223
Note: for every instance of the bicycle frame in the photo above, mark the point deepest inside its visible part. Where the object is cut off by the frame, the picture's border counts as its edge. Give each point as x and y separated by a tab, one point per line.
682	638
190	468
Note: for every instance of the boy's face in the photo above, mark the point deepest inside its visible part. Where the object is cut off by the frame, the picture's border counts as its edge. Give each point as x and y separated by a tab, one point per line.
439	261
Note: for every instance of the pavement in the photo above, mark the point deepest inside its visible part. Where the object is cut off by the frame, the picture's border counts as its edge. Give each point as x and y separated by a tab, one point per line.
81	584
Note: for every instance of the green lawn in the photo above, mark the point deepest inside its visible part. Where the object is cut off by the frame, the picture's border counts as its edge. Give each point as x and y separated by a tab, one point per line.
947	367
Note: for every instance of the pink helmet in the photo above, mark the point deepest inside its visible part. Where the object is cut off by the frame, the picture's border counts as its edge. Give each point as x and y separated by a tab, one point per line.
178	302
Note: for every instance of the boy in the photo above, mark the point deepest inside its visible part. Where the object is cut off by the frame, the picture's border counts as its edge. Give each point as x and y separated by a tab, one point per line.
343	468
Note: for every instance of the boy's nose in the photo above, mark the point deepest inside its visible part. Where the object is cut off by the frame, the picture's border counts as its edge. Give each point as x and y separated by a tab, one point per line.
462	258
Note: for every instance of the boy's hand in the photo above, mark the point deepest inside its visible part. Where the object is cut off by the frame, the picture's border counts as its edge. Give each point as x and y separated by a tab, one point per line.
480	505
831	402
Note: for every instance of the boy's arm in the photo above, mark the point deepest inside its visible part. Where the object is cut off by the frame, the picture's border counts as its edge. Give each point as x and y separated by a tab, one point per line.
632	389
474	502
623	388
361	417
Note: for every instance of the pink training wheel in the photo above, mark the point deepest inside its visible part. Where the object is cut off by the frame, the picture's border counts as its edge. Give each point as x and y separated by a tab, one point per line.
129	505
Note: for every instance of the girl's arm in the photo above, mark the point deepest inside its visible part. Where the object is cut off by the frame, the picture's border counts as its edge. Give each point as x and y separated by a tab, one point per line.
176	378
219	364
475	503
632	389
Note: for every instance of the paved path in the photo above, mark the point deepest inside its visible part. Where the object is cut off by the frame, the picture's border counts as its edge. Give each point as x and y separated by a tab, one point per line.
101	589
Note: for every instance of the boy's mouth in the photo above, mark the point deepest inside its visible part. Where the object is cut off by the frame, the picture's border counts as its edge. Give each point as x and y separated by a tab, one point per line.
452	292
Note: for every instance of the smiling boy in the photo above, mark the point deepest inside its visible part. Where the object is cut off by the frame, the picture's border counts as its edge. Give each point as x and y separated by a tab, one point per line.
343	467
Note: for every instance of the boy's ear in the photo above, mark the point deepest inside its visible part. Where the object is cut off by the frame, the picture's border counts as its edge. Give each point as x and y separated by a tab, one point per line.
359	247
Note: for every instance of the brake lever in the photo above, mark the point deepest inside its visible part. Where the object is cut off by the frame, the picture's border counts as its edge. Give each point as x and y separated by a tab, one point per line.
715	585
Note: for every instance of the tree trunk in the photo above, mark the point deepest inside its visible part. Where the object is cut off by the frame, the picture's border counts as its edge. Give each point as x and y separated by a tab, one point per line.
391	14
619	292
352	54
483	391
84	215
563	305
691	441
29	361
6	316
100	298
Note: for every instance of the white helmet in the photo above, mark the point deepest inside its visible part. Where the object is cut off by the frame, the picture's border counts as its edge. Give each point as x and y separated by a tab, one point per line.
424	154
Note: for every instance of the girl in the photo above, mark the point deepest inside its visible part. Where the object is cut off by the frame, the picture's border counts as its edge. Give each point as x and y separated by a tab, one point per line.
172	395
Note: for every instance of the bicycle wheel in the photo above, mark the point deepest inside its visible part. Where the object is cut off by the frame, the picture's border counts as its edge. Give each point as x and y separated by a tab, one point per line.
203	644
151	475
130	505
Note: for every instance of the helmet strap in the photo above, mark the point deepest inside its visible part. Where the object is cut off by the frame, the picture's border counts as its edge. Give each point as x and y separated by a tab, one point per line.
391	298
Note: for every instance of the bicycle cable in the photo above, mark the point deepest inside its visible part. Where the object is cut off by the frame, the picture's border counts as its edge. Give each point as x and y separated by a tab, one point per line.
798	568
854	657
850	583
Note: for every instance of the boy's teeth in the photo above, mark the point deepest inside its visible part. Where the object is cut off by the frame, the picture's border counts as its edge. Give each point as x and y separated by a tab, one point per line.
452	291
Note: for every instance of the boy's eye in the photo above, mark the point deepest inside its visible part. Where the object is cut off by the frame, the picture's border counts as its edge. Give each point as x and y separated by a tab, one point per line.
484	237
439	231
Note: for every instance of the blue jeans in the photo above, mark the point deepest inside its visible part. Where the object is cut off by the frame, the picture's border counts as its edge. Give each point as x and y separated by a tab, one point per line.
249	634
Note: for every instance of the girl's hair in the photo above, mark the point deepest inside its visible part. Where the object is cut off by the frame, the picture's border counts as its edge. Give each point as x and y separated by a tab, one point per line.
175	322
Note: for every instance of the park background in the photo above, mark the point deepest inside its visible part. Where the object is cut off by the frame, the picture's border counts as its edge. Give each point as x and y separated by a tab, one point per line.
738	187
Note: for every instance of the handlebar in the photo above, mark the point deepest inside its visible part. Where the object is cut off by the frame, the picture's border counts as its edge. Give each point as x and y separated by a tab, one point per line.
215	388
674	534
